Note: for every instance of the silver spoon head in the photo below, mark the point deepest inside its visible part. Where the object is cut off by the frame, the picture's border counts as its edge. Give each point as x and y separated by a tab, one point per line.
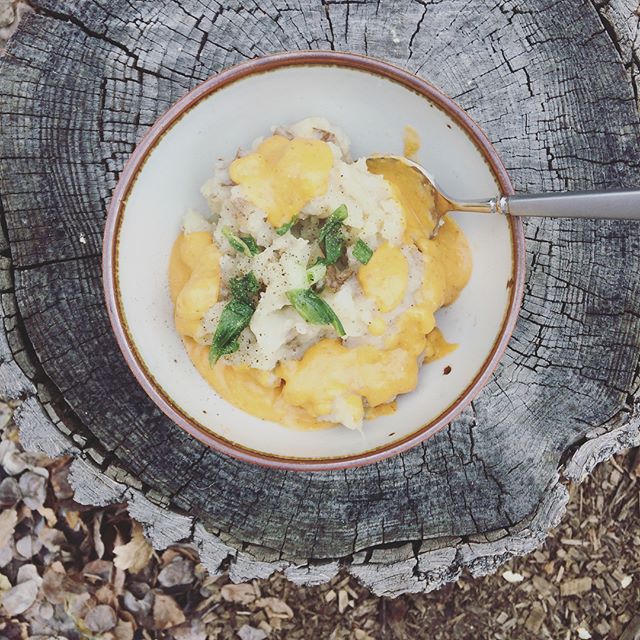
432	217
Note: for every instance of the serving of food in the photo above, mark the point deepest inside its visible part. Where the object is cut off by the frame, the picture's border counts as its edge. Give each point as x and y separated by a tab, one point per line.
307	294
285	294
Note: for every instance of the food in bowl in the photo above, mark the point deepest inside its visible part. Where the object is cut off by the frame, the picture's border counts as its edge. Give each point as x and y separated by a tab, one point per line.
307	295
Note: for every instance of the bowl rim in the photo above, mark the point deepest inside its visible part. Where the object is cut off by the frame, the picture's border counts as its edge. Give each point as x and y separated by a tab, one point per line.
135	164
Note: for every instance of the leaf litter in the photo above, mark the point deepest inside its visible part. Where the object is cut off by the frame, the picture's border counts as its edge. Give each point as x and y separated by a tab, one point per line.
75	571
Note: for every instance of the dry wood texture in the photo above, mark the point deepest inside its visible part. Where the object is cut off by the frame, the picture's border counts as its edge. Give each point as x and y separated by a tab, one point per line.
554	84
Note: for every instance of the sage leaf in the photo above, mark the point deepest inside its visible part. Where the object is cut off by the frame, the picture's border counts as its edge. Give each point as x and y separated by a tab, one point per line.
362	252
245	288
316	272
243	244
331	238
234	319
314	309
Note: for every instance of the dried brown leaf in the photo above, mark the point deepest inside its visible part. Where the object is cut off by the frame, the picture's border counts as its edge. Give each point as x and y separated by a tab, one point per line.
5	585
45	610
78	606
12	460
28	572
124	630
101	618
134	555
34	489
18	599
119	578
106	595
166	612
179	571
24	546
6	554
8	521
140	607
51	539
9	493
57	586
98	570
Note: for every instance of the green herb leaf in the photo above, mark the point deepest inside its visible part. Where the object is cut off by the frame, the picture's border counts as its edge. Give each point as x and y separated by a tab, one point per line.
286	226
314	309
334	220
333	246
252	244
234	319
331	238
361	251
245	244
245	288
316	272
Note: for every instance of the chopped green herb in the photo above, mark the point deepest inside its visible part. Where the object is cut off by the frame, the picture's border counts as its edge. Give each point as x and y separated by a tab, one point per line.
337	217
316	272
235	317
314	309
361	251
252	244
333	246
245	288
286	226
331	238
244	244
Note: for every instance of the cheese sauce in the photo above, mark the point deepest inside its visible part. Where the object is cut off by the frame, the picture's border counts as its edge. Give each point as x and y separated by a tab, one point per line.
283	175
385	277
280	178
252	390
411	142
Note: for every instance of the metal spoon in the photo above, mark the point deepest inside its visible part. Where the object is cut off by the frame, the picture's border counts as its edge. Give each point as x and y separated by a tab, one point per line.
623	204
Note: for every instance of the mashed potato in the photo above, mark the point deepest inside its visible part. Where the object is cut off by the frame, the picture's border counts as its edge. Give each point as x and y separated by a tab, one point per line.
307	295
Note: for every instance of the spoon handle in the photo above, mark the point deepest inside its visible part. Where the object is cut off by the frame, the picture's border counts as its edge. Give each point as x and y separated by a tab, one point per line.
623	205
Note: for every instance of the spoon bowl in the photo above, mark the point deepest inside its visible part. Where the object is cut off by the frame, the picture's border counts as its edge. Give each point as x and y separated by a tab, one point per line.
621	204
431	218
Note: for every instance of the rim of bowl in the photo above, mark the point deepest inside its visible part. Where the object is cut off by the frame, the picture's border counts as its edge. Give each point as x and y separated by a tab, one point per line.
134	165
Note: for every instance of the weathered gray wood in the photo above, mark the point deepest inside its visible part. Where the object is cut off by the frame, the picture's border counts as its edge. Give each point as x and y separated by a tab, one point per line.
555	86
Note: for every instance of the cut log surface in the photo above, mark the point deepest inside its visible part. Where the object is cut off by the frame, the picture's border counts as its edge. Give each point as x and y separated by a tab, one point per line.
555	86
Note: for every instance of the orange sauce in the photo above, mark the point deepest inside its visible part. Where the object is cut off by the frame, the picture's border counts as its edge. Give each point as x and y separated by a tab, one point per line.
280	177
411	142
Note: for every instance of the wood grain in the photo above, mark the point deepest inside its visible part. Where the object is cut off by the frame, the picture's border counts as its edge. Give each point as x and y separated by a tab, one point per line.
554	85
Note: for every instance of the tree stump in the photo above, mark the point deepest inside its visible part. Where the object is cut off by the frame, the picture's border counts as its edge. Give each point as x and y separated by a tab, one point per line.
555	86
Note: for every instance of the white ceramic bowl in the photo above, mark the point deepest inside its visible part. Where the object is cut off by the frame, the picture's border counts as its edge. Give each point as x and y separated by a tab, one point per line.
372	102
